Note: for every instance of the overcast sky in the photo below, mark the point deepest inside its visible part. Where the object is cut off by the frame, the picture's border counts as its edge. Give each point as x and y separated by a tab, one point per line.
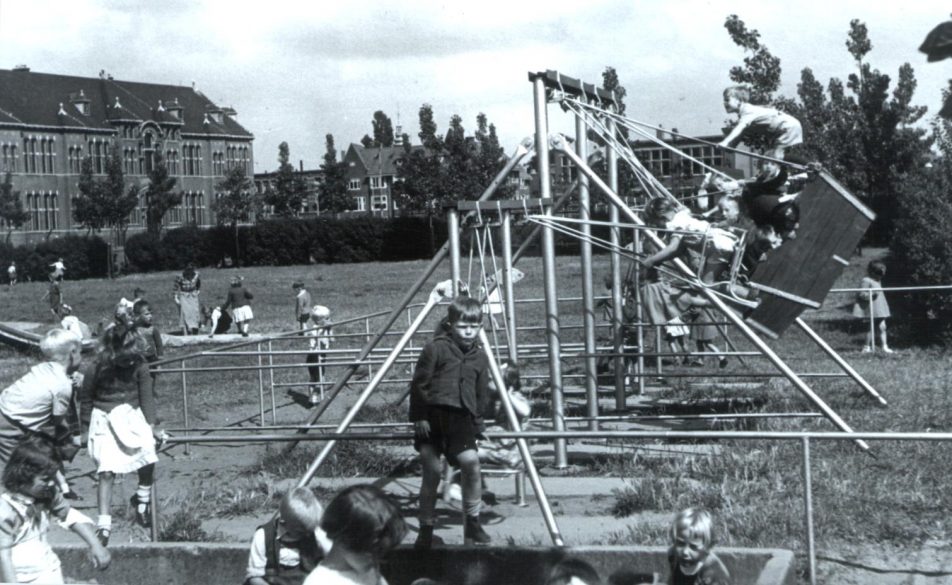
296	71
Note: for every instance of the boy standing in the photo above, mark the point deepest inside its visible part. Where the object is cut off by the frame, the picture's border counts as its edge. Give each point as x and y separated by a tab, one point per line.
12	273
302	304
449	386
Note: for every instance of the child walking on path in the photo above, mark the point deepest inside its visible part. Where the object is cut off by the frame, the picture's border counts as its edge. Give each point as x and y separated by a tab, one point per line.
151	338
690	557
364	525
30	500
237	301
122	432
289	546
872	306
450	384
302	304
320	341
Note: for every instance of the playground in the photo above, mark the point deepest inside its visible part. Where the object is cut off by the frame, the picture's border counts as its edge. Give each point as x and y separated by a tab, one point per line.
792	436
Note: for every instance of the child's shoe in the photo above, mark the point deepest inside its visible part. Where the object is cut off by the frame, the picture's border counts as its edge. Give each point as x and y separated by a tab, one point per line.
867	349
473	532
144	515
102	534
722	363
887	350
426	539
314	398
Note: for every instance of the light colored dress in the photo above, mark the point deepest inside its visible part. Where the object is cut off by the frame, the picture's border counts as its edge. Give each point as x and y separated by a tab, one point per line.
187	297
879	306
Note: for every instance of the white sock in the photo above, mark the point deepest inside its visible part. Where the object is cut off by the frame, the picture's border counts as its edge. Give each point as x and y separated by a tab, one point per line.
104	522
143	497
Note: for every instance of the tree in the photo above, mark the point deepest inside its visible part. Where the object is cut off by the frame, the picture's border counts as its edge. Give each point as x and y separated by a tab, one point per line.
761	70
332	192
88	208
238	202
159	195
11	207
105	202
383	129
289	191
628	185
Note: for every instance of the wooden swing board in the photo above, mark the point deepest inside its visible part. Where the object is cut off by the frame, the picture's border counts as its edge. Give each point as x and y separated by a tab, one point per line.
803	270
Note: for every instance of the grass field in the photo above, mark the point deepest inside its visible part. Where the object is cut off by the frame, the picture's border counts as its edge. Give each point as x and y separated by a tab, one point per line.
897	495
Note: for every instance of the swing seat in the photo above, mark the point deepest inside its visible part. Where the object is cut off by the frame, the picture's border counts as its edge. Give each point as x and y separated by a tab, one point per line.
799	274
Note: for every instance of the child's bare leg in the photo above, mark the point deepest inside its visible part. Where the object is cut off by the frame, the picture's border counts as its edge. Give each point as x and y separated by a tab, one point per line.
104	494
471	480
432	469
883	343
143	495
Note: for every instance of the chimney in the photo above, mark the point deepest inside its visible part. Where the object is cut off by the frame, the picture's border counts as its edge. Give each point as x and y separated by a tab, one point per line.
301	165
22	68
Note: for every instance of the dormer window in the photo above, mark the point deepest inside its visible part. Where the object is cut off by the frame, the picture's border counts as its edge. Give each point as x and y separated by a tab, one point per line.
174	109
216	115
80	102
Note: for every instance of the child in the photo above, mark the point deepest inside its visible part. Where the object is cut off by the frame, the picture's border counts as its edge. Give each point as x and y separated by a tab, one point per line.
151	339
58	270
872	305
782	129
289	546
689	233
31	498
72	323
364	525
122	433
505	451
54	295
321	338
12	274
302	304
691	559
41	400
128	304
237	300
573	571
450	382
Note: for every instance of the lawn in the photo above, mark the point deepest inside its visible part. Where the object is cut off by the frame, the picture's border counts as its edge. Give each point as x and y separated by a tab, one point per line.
897	495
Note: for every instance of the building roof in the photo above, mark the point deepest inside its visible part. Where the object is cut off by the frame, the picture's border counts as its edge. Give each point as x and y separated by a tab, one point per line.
380	160
34	99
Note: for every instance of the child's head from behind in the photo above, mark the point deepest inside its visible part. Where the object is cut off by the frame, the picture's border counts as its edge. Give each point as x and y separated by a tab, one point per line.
320	314
60	345
734	96
876	269
659	211
693	536
573	571
464	317
365	522
31	469
142	313
300	512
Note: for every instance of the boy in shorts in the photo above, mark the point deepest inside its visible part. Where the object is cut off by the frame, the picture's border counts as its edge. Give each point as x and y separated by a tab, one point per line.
449	386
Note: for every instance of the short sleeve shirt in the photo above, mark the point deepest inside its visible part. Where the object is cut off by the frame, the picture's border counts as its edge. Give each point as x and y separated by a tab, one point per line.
44	392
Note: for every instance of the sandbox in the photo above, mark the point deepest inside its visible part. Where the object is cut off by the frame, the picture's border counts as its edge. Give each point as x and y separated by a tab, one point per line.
224	564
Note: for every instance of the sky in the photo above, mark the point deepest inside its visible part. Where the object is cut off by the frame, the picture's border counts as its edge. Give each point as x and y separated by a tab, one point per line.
296	71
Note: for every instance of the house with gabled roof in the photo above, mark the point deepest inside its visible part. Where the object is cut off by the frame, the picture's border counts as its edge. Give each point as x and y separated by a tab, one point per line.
371	172
50	122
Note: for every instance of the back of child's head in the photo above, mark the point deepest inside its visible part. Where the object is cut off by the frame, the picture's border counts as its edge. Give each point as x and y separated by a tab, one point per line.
301	508
656	210
573	571
320	313
65	310
512	375
465	309
138	293
140	306
876	269
694	523
57	344
119	345
363	519
33	457
236	280
741	92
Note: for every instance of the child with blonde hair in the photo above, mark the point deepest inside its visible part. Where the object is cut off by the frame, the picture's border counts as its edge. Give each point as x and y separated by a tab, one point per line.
691	559
782	129
287	548
364	525
320	341
30	501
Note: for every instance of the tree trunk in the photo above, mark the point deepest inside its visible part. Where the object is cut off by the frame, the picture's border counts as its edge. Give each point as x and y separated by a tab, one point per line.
429	218
237	257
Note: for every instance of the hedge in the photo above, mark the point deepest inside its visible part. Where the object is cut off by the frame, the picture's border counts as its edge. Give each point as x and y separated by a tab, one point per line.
84	257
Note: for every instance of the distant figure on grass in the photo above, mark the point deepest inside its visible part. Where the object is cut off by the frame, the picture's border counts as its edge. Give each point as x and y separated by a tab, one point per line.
128	304
450	383
57	269
186	291
30	500
872	306
573	571
237	301
364	525
152	348
54	295
302	304
690	557
122	431
320	341
289	546
42	399
12	274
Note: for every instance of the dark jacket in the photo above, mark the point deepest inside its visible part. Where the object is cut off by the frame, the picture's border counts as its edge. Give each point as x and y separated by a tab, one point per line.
446	376
237	297
108	385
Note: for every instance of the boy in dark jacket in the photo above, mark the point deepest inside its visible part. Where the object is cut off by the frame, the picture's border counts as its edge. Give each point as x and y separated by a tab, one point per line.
450	384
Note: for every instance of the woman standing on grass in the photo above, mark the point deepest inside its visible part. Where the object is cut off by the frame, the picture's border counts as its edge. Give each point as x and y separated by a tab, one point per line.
187	288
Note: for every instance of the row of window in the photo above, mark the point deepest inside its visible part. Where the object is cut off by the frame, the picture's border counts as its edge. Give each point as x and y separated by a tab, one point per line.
660	161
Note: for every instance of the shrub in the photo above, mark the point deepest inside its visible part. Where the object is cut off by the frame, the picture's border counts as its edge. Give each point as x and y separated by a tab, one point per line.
84	256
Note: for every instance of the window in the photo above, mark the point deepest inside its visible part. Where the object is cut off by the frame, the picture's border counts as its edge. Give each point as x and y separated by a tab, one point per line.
29	155
52	210
377	183
218	163
98	151
353	185
361	204
46	156
379	202
75	159
9	160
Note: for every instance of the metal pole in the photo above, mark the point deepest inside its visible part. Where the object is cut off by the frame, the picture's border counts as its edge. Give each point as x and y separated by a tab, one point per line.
548	269
639	314
154	512
585	258
508	290
504	400
185	404
392	317
274	407
808	509
439	293
618	315
857	377
559	142
452	226
261	385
